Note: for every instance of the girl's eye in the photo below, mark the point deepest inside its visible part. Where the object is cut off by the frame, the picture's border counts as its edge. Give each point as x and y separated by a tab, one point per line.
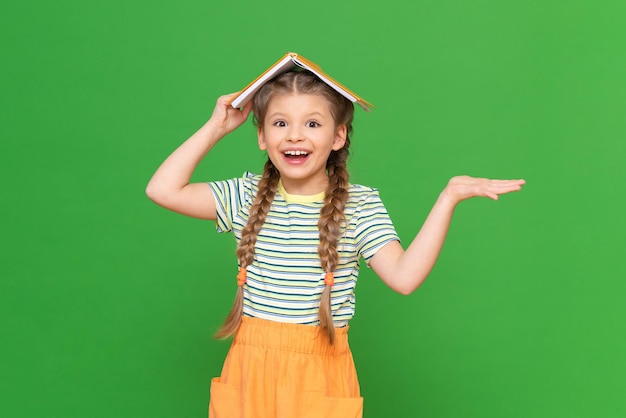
280	123
312	124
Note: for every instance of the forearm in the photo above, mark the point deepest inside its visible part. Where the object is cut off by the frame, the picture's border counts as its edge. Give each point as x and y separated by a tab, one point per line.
404	271
176	171
170	187
415	264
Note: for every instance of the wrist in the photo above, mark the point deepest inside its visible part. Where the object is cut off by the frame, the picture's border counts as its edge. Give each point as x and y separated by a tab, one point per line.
448	199
213	131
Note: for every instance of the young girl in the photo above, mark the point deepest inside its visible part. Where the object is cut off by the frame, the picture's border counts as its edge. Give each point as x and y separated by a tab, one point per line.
301	229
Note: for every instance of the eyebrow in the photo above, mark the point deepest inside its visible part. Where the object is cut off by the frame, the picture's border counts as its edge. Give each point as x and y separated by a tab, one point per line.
315	113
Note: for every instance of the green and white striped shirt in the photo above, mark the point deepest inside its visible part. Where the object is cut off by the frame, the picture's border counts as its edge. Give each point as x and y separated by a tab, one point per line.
285	281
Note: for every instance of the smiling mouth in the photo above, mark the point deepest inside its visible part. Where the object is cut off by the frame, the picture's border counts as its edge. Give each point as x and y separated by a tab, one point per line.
291	154
296	156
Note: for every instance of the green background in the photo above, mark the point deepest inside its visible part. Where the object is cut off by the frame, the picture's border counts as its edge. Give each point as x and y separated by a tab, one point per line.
108	302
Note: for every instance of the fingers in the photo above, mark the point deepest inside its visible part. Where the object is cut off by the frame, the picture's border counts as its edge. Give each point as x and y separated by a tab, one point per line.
508	184
226	118
465	187
242	113
519	182
498	187
246	110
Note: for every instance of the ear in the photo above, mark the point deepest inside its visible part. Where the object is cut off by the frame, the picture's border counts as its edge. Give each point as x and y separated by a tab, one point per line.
340	137
261	138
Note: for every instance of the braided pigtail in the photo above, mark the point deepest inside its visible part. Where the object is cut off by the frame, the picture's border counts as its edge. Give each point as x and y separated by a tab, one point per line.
330	226
245	251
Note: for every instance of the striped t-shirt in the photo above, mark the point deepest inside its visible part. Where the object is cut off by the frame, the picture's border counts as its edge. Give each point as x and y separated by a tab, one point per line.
286	280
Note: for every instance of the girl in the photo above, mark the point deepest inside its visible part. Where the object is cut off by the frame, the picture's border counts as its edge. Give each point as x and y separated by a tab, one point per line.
301	229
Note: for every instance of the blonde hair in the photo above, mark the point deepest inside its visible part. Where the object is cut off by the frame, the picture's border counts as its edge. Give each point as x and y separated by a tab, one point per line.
331	219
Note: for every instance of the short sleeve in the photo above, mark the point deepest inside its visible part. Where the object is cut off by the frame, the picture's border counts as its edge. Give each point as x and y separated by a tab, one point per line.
374	228
231	196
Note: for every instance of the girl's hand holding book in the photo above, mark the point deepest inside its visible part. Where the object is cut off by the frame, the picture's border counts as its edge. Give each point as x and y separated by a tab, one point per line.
225	118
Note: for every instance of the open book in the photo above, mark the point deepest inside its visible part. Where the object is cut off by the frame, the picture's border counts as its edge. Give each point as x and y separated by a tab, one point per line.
286	63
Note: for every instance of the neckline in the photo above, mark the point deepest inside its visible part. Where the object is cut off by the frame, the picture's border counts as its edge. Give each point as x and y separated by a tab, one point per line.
299	198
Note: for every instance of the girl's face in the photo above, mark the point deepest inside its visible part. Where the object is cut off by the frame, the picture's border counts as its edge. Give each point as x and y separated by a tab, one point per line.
298	134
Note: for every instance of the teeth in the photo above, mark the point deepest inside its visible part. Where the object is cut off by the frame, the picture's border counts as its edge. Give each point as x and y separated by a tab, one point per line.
298	152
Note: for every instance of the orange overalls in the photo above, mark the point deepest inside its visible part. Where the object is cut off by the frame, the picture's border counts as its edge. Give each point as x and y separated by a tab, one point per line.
280	370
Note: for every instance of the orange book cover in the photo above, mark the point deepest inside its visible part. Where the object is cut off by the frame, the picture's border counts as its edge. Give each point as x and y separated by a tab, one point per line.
286	63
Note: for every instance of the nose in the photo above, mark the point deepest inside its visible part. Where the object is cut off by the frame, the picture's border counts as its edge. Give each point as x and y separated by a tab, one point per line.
295	134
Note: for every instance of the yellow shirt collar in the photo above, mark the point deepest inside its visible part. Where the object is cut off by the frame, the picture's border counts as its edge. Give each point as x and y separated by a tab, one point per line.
297	198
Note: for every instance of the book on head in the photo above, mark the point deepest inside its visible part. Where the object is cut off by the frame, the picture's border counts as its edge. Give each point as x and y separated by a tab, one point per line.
286	63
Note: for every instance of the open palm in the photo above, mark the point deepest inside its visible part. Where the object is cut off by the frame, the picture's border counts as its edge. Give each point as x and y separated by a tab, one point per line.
465	187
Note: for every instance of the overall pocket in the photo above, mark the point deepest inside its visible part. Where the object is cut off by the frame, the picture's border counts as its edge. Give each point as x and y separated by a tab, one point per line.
317	405
225	400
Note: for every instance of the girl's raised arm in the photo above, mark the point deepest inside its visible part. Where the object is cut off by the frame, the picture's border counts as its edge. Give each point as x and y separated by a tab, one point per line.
170	187
404	271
